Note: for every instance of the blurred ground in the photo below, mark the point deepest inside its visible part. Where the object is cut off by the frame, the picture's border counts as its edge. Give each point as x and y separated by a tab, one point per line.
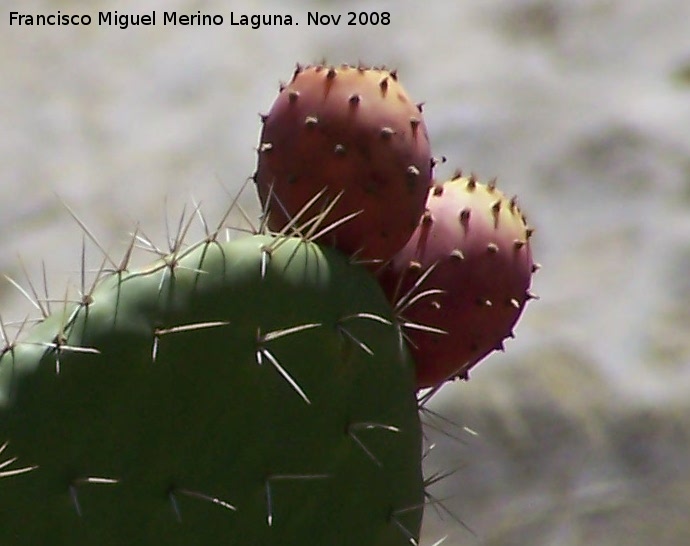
580	107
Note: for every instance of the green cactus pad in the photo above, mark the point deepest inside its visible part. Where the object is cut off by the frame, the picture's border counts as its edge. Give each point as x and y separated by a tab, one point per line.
255	392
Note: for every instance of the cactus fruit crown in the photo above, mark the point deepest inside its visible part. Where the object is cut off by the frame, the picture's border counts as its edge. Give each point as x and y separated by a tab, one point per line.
252	388
352	136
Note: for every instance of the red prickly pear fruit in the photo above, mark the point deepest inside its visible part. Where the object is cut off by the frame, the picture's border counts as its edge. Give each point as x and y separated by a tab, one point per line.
353	133
462	280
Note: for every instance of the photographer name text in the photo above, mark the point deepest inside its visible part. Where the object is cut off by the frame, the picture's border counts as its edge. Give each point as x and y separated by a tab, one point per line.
173	18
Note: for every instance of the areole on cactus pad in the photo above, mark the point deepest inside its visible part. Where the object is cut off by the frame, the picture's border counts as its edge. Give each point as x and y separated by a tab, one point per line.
354	138
462	280
250	392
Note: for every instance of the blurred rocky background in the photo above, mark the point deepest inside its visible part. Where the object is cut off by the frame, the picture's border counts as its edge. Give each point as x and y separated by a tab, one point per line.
580	432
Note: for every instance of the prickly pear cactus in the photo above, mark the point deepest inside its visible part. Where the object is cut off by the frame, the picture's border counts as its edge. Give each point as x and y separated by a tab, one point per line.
253	392
351	141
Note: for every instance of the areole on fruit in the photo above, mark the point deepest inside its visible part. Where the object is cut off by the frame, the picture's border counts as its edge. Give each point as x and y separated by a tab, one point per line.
353	133
462	280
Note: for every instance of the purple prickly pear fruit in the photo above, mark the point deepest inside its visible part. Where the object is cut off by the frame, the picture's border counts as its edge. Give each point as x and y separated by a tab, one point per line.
353	133
462	281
